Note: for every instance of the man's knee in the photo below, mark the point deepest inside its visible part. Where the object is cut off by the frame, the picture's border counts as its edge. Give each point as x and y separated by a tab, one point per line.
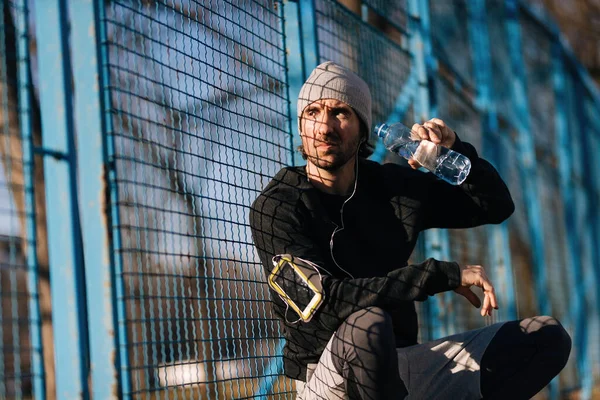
550	336
364	353
367	328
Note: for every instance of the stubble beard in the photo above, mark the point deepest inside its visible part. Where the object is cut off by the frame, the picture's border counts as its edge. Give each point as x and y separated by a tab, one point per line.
341	158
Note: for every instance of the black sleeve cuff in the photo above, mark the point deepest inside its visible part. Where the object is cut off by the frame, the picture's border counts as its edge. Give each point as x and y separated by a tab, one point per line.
445	274
464	148
452	271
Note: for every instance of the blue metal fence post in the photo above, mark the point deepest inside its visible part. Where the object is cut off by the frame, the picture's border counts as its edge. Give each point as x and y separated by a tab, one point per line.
295	78
98	203
302	56
565	160
25	122
308	36
501	268
592	163
271	373
436	240
588	233
589	137
528	164
526	149
295	70
65	256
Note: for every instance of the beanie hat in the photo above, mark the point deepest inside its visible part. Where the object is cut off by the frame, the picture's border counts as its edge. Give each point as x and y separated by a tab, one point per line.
332	81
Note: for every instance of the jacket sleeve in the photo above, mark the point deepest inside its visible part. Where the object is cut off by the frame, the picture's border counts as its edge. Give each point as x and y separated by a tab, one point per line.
279	226
482	199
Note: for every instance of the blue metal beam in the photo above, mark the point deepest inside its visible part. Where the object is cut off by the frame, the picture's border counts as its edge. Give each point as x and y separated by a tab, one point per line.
565	160
593	180
271	373
528	164
420	48
526	148
302	57
589	231
545	21
308	36
593	172
64	247
98	218
295	78
25	120
436	240
295	72
584	209
501	268
588	136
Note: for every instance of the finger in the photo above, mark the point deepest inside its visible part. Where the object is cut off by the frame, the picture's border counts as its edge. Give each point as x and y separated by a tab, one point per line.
490	296
414	164
448	134
486	284
421	132
414	135
441	125
485	310
438	122
493	300
434	131
469	295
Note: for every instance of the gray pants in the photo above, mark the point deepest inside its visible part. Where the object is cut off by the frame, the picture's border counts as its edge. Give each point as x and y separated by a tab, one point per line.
448	368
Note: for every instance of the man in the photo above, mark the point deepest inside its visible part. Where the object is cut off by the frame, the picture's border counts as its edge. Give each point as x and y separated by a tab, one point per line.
356	222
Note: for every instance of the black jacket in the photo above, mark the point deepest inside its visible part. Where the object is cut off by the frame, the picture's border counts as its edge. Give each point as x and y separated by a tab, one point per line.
392	204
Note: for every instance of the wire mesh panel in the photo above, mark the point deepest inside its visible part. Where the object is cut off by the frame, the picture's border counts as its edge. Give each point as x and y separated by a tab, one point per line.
456	108
345	39
520	242
454	97
537	55
450	37
582	227
470	246
395	12
573	267
200	124
519	237
590	164
501	68
20	345
454	88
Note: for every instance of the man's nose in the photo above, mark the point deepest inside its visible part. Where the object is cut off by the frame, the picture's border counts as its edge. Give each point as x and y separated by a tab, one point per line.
325	124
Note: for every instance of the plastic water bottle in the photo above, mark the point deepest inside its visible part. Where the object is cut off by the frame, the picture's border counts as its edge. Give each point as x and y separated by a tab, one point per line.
446	164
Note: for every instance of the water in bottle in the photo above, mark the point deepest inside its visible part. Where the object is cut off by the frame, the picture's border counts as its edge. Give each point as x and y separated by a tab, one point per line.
446	164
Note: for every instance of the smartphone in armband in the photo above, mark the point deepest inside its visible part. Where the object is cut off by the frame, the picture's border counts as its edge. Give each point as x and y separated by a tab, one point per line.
298	283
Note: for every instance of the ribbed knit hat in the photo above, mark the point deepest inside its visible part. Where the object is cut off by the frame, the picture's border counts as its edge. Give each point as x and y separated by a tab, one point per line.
332	81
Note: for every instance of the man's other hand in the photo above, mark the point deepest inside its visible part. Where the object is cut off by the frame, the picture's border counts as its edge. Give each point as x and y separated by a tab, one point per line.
435	130
475	275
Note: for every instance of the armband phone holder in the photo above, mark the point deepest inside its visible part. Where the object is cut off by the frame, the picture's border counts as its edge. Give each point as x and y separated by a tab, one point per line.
298	283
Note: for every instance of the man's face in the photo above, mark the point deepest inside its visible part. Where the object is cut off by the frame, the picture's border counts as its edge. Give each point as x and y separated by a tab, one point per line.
330	133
